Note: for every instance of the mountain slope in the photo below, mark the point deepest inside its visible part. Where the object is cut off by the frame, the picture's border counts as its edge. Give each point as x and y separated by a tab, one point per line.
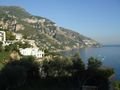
45	32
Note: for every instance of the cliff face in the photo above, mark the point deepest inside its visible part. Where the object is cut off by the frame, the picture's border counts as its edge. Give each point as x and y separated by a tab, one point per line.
46	33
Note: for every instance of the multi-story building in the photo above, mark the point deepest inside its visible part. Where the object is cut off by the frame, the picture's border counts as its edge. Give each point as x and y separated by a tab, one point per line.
32	51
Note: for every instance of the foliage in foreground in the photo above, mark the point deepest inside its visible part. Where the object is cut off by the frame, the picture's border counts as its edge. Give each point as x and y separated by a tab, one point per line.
116	85
58	73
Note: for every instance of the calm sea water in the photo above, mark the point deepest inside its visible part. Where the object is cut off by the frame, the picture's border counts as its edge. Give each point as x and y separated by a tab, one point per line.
110	57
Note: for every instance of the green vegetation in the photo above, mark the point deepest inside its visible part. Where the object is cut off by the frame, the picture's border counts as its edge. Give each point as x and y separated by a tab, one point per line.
3	56
1	48
16	46
51	74
116	85
14	10
10	36
94	63
22	45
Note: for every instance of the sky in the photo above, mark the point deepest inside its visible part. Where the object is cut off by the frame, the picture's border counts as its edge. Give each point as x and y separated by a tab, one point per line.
98	19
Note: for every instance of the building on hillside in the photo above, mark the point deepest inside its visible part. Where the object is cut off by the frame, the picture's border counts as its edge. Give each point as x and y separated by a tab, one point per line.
32	51
2	36
89	42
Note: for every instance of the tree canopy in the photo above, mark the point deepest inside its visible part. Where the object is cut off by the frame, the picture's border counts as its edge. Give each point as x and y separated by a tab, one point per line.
60	72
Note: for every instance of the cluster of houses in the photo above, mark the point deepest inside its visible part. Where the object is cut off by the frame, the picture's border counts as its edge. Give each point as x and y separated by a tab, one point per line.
89	42
33	51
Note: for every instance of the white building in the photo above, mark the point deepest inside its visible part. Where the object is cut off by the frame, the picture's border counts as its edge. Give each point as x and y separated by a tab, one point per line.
2	36
32	51
88	42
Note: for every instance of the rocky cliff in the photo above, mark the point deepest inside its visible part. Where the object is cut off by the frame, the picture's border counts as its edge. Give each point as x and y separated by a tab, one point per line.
46	33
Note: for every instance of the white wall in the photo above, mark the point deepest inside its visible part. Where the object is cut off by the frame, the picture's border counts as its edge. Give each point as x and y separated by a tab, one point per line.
32	51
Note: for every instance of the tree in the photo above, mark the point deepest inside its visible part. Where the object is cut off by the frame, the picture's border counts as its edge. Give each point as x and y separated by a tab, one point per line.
7	48
11	47
92	70
23	45
12	76
10	35
94	63
57	67
16	74
25	36
78	64
116	85
96	75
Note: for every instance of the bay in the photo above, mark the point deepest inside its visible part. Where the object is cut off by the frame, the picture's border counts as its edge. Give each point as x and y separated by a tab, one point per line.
109	56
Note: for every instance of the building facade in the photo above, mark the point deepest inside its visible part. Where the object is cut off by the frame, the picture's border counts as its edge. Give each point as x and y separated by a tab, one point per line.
2	36
32	52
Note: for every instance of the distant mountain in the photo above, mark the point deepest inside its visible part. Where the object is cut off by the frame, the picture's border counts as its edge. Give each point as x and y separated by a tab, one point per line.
46	33
112	45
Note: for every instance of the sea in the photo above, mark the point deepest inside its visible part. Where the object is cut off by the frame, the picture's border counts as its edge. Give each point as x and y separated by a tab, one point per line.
108	54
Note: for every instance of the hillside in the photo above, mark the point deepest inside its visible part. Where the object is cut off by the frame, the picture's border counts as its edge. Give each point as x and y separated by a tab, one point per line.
46	33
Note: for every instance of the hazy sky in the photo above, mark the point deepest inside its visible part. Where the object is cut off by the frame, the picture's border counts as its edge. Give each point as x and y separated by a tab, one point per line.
98	19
